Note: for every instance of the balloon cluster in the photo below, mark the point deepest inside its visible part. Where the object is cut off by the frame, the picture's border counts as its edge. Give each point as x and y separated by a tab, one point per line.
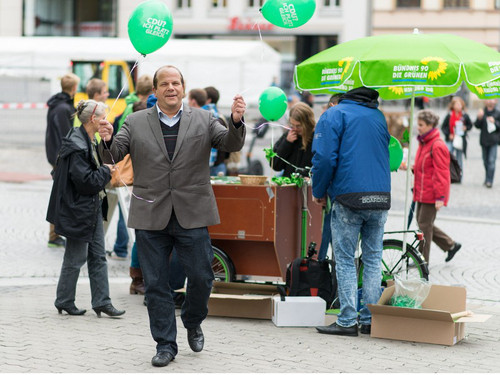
150	26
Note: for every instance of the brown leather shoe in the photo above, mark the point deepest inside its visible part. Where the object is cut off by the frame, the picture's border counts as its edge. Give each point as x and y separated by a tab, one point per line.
137	285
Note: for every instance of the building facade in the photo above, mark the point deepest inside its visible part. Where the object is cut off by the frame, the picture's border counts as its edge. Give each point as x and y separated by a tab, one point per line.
474	19
334	21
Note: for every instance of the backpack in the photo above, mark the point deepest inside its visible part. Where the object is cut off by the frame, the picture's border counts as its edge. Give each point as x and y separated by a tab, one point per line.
310	277
455	170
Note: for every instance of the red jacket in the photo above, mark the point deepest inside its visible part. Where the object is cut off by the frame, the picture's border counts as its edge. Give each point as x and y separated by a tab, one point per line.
432	172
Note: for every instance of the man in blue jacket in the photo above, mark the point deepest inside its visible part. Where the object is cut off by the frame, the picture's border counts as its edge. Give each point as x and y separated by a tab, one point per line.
351	165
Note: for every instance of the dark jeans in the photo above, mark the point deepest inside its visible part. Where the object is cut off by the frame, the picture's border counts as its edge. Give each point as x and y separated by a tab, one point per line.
177	274
121	243
195	254
489	159
76	254
326	237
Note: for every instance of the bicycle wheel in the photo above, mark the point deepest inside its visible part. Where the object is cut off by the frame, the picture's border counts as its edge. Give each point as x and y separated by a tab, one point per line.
222	266
407	265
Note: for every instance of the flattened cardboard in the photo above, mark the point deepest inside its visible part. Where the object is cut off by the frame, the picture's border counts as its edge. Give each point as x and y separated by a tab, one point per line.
241	300
431	324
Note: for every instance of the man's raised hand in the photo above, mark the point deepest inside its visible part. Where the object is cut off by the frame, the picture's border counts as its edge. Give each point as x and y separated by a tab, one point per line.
238	108
105	130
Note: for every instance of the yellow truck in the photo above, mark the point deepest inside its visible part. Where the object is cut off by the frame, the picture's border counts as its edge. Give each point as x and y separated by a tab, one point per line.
116	73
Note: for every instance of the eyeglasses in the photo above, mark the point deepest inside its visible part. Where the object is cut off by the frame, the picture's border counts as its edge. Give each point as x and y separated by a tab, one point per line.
294	124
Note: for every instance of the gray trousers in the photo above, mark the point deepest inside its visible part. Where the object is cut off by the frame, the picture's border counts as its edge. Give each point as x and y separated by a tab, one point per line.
76	254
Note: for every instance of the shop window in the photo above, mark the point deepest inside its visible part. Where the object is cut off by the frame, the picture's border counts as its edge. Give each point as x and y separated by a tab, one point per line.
219	3
94	18
183	4
255	3
456	4
408	3
331	3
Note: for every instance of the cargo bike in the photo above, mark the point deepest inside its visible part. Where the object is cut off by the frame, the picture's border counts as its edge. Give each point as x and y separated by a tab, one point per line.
265	227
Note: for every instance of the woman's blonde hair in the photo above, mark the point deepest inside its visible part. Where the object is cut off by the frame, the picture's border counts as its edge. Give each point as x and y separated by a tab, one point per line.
304	115
454	100
86	108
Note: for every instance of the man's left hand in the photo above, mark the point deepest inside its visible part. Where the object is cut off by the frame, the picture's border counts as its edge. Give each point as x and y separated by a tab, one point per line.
320	201
238	108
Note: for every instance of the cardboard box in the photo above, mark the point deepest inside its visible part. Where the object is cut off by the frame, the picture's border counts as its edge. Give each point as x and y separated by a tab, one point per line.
299	311
241	300
433	323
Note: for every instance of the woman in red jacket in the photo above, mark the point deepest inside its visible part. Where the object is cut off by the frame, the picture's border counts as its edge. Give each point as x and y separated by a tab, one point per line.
432	184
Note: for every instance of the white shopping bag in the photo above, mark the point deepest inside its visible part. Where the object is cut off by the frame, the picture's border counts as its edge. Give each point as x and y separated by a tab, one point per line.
491	126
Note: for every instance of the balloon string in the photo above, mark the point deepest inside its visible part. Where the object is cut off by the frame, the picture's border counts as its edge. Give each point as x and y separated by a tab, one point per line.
124	184
131	193
123	88
272	145
262	40
271	124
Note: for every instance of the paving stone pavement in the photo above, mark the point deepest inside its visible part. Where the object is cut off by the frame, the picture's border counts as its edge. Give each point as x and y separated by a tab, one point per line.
35	338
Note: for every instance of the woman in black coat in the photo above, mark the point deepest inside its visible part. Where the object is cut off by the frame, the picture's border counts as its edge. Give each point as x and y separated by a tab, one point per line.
455	126
294	146
76	207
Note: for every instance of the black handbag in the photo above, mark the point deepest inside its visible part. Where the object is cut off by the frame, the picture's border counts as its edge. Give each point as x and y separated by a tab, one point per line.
310	277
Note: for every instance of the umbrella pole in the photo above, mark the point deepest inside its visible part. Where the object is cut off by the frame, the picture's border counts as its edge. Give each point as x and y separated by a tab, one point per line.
408	176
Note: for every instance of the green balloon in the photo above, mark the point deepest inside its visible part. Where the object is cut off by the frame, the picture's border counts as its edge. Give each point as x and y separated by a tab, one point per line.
272	103
288	13
150	26
395	154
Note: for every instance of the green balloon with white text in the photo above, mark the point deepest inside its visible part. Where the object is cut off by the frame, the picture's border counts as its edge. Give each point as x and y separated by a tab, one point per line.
150	26
288	13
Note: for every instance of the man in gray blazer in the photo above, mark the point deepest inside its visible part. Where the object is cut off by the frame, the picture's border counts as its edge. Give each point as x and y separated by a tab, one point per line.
173	202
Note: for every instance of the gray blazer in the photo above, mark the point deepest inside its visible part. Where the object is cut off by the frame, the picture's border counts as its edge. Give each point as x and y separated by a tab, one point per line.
183	183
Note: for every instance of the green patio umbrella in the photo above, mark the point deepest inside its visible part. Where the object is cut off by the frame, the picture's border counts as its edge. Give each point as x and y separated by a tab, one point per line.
399	66
403	67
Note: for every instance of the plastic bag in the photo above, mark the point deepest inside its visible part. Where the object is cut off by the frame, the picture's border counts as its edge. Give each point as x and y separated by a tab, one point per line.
410	292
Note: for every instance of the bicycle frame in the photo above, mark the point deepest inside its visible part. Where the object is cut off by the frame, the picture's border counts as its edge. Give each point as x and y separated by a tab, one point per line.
419	236
400	262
